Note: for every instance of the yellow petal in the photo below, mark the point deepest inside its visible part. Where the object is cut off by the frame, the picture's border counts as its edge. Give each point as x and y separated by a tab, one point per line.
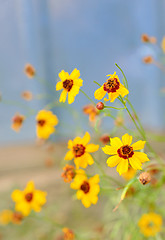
78	82
74	91
122	90
86	139
69	155
63	96
79	194
135	163
94	199
94	180
163	44
114	96
141	156
86	202
113	161
63	75
70	144
59	86
122	167
40	197
29	187
75	74
109	150
116	142
126	139
17	196
138	145
71	98
92	147
99	93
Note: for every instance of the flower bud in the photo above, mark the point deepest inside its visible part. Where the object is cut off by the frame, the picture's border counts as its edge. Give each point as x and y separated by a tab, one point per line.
100	105
144	178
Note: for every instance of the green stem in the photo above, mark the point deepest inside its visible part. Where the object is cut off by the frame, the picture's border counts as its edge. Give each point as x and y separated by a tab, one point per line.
123	75
87	97
114	108
97	83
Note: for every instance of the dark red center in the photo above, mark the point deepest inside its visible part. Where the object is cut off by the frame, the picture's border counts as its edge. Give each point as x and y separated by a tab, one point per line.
68	84
18	119
78	150
85	187
41	122
29	197
112	85
125	152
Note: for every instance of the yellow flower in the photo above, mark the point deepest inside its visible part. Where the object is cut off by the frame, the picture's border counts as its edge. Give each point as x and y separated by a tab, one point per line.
28	199
69	173
68	234
46	121
79	150
163	44
150	224
5	217
88	189
129	174
124	154
70	84
113	87
17	122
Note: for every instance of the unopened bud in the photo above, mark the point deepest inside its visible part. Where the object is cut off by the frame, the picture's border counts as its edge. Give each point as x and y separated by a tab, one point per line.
148	59
144	178
100	105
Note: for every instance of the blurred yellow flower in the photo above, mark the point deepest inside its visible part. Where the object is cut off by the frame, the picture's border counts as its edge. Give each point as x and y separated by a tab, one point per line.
124	154
28	199
79	150
129	174
92	111
17	122
70	84
5	217
113	87
88	189
46	121
29	70
163	44
150	224
68	234
69	173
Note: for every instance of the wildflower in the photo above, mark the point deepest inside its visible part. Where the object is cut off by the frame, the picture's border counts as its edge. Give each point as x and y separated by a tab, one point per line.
148	59
69	173
105	139
92	111
129	174
113	87
29	70
88	189
163	44
5	217
100	105
68	234
17	122
27	95
124	154
46	121
70	84
29	199
150	224
17	218
144	178
147	39
79	150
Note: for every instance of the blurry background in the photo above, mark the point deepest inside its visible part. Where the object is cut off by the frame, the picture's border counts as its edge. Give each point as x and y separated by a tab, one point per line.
90	35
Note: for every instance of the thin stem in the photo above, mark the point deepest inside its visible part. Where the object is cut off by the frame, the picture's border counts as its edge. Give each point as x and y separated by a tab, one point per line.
97	83
123	75
114	108
87	97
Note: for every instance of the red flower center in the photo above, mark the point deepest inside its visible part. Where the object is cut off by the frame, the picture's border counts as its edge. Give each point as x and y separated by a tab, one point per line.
41	122
125	152
29	197
78	150
112	85
85	187
68	84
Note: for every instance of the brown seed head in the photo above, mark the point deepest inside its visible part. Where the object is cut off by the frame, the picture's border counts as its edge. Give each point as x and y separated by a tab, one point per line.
100	105
29	70
105	139
148	59
144	178
145	38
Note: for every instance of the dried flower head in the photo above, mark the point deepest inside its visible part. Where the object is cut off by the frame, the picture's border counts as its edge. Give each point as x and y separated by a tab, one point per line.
69	173
68	234
100	105
92	111
27	95
144	178
145	38
105	139
29	70
17	217
17	122
148	59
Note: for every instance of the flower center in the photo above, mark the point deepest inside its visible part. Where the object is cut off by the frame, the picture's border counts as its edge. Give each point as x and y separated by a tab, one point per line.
125	152
85	187
41	122
78	150
68	84
112	85
29	197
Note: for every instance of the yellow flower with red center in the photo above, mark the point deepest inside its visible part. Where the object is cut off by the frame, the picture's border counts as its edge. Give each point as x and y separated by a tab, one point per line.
92	111
29	199
129	174
150	224
68	234
88	189
80	149
70	85
17	122
29	70
46	121
69	173
124	154
113	87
